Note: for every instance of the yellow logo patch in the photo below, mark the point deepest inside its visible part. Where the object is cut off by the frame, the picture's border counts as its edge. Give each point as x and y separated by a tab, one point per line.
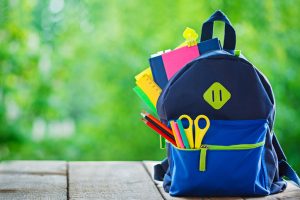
216	95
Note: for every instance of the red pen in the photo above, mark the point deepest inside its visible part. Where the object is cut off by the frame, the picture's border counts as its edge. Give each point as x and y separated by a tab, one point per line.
159	132
160	128
149	117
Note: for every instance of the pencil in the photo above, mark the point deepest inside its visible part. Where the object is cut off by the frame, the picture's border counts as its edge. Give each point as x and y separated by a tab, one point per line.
159	132
149	116
159	127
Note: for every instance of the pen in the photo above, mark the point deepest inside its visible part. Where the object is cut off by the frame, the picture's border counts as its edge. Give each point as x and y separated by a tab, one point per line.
159	132
149	117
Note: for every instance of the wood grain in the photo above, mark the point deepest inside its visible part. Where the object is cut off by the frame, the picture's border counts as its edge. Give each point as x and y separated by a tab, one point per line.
33	180
92	180
292	192
110	180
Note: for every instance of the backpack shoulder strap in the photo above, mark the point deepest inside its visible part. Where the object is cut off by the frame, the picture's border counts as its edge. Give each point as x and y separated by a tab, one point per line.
160	170
284	168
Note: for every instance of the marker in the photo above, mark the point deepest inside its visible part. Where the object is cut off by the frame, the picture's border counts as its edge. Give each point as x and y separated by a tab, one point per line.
183	135
159	132
177	134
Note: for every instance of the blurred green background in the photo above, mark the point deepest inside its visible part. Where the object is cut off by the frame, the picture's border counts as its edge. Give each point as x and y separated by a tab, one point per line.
67	71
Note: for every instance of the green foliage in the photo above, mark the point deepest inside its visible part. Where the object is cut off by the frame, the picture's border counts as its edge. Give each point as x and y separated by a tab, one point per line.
67	71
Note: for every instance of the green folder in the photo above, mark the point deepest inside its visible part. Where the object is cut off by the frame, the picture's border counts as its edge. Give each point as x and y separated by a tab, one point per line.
145	99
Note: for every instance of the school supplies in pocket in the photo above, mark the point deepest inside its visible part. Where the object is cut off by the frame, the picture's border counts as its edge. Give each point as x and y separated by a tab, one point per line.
176	133
194	130
158	127
183	134
160	131
216	167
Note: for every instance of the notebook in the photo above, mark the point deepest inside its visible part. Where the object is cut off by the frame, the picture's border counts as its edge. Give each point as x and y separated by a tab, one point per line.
164	66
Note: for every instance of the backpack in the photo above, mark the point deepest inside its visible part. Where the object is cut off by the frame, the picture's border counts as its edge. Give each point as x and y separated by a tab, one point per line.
241	155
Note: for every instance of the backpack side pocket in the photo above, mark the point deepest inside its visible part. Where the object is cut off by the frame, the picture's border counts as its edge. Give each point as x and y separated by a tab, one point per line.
229	163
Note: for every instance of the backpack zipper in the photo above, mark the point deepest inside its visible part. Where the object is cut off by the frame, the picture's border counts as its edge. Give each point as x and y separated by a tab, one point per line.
204	148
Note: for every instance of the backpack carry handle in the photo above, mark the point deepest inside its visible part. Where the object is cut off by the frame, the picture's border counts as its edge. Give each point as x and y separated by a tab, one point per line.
208	26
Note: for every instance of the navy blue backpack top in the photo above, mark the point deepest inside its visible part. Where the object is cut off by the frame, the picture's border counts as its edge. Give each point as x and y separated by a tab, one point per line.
240	155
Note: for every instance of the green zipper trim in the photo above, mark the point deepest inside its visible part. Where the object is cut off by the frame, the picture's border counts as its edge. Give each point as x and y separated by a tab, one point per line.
220	147
204	148
202	164
235	147
162	142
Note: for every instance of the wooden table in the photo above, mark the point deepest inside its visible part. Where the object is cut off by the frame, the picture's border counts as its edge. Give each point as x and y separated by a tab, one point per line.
90	180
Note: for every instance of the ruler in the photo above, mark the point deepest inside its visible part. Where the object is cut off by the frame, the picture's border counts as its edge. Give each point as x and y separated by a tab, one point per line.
149	87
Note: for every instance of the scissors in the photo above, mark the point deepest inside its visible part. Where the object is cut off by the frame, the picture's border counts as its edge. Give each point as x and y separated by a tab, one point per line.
199	132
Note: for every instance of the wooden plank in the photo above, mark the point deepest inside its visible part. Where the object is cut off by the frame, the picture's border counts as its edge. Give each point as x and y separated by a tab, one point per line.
110	180
292	191
149	166
33	180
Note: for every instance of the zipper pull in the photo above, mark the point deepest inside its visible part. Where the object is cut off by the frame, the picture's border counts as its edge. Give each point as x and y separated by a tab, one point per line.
202	163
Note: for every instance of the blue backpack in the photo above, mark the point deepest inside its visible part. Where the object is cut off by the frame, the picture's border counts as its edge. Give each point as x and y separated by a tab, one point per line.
241	155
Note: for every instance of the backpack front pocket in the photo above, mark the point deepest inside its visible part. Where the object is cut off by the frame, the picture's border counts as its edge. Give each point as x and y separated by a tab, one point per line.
230	162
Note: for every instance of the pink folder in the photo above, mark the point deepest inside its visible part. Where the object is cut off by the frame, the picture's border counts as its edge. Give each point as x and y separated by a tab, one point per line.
176	59
164	66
